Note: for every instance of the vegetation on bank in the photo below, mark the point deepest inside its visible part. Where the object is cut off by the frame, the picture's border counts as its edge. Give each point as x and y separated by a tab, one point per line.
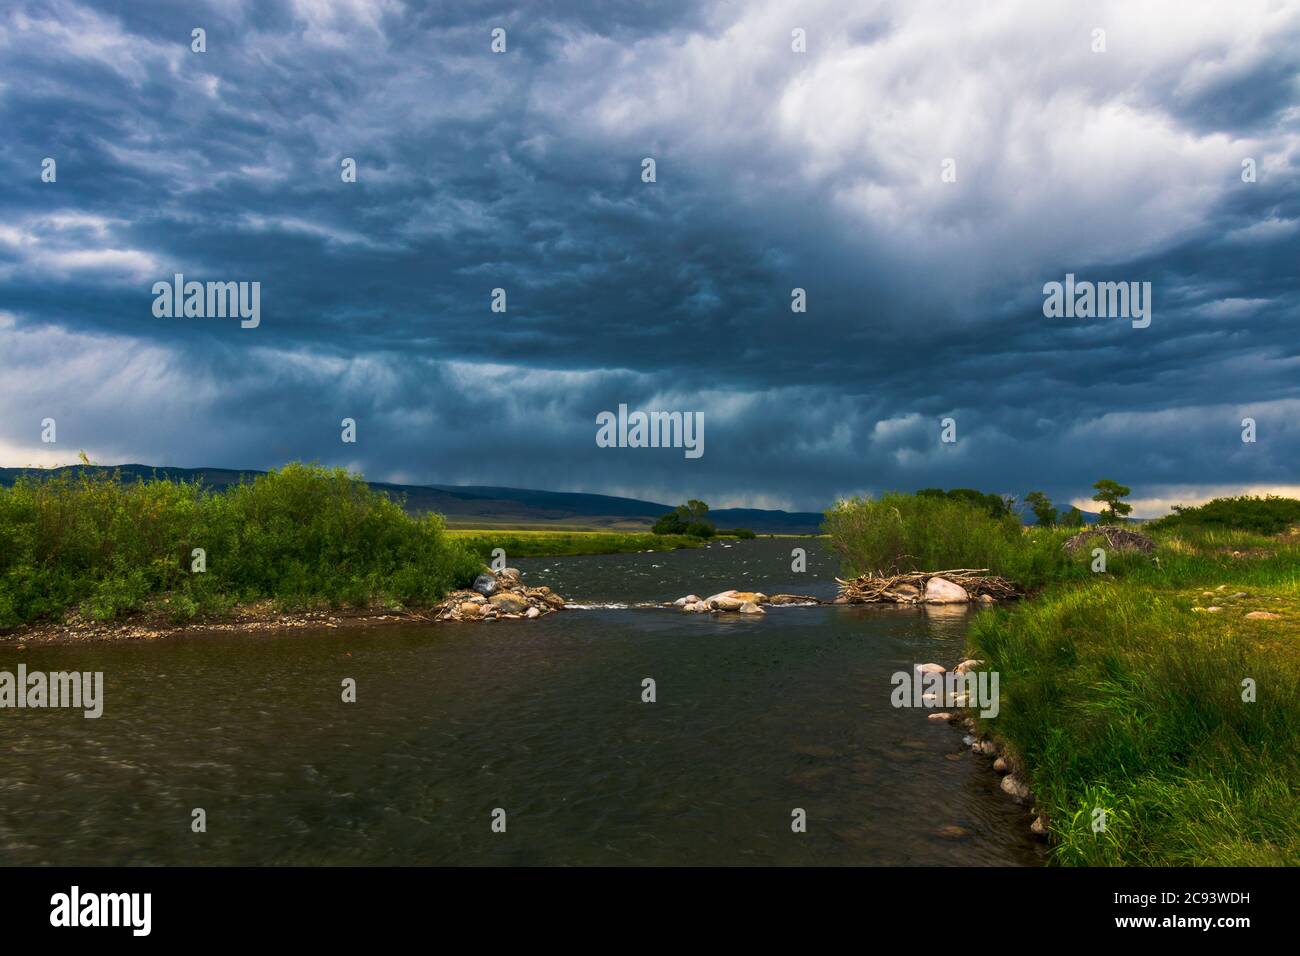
530	544
1123	690
303	536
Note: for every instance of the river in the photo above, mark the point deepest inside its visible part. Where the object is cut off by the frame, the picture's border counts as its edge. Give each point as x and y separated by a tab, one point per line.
544	720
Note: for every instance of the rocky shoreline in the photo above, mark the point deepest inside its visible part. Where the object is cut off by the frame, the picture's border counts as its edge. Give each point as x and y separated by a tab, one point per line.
1004	762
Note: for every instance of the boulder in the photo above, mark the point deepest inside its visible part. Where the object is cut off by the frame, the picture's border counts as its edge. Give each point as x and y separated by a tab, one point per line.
930	668
485	584
507	602
1014	787
469	610
725	603
689	599
721	594
968	665
509	578
750	597
1001	765
943	591
532	613
749	607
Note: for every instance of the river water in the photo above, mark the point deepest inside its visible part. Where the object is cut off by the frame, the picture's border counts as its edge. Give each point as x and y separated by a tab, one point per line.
543	720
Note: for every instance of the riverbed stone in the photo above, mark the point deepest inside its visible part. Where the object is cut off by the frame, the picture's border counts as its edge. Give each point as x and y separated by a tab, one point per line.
486	584
1015	788
930	668
507	602
725	603
943	591
792	599
749	607
968	665
689	599
533	612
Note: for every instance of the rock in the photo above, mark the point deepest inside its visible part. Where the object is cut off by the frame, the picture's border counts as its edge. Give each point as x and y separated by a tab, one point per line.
840	600
1038	827
1241	594
908	592
510	578
988	748
930	668
968	665
485	584
930	698
1014	787
1001	765
943	715
987	599
792	599
507	602
721	594
689	599
1262	616
1213	609
699	607
469	610
725	604
533	612
752	597
749	607
943	591
952	832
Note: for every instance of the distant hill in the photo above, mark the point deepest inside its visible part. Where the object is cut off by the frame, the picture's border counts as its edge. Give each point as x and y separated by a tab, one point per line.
485	506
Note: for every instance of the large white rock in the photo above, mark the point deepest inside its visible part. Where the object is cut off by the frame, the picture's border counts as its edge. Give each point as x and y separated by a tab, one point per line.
941	591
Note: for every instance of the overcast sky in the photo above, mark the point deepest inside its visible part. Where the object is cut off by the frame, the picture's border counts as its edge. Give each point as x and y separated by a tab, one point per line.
775	169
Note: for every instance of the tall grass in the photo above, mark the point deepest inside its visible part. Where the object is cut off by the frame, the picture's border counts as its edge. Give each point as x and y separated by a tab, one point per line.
1115	695
301	535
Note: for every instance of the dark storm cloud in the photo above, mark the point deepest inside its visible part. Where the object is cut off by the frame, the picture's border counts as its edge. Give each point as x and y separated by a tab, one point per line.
775	170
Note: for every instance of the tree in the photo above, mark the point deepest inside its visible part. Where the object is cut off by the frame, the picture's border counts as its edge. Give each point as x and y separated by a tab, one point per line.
686	519
1042	507
1073	518
1109	493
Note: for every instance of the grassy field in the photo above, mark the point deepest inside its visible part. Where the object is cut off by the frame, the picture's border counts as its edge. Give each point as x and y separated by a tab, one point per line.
1123	691
531	543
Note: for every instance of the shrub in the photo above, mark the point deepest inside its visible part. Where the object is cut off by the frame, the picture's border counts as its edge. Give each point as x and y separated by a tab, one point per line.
300	534
922	533
1269	515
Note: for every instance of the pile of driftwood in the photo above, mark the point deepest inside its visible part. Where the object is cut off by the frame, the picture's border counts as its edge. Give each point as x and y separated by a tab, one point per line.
914	587
1117	539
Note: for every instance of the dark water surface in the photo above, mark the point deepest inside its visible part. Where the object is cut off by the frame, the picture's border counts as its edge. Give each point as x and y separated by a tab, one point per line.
543	719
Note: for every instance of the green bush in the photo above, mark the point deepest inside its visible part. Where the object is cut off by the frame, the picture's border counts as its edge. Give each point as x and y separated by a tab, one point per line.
1268	516
898	532
300	535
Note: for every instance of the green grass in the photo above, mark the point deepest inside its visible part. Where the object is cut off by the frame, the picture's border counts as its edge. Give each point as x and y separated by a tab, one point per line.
1116	692
303	536
528	544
